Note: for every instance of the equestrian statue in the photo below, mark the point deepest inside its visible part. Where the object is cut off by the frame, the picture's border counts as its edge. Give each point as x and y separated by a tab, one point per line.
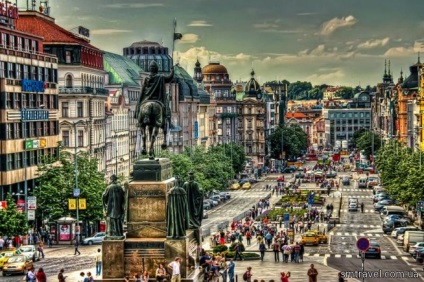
153	109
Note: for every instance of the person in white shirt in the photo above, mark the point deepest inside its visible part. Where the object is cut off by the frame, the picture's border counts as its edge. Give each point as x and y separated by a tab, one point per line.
98	262
31	275
175	266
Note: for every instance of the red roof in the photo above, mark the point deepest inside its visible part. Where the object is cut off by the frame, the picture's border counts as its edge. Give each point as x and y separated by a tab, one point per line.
295	115
42	25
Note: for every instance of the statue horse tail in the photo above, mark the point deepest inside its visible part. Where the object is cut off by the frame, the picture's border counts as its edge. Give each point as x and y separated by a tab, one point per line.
151	114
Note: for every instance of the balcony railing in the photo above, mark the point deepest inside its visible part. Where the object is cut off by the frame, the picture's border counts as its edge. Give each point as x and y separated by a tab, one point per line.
83	90
24	53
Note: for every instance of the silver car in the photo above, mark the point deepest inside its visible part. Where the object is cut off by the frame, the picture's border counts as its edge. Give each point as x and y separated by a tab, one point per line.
30	252
96	239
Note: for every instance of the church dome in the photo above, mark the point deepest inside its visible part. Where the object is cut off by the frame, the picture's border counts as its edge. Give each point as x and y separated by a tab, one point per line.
145	43
214	68
252	85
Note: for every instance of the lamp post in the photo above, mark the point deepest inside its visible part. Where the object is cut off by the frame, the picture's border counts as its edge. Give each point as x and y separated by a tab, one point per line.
76	191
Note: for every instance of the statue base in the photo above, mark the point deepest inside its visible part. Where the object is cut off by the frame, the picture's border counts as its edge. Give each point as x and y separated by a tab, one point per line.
152	170
113	259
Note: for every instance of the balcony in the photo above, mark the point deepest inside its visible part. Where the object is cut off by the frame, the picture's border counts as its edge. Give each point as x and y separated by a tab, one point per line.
14	51
83	90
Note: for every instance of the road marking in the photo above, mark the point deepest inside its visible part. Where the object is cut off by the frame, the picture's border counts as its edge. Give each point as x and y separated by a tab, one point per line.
338	256
347	251
361	234
383	257
354	234
316	255
365	226
348	256
306	254
339	233
393	257
346	234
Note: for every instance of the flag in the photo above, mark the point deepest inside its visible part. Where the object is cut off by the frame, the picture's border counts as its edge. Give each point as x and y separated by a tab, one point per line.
177	36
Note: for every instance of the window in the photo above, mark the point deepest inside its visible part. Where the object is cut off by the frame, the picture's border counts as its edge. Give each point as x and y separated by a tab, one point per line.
11	42
25	101
34	73
4	39
18	71
53	128
19	43
65	138
228	120
80	138
32	128
33	100
69	81
2	69
34	47
26	44
39	128
80	108
18	130
40	73
9	100
26	71
68	57
18	160
65	109
9	133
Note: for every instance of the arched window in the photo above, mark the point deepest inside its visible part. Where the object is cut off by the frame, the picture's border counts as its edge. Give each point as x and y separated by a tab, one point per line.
69	81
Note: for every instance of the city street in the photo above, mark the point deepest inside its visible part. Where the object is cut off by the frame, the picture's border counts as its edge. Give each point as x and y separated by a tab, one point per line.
344	253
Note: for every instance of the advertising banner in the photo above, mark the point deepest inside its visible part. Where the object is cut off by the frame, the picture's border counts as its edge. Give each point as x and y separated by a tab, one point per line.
3	205
32	203
64	232
21	205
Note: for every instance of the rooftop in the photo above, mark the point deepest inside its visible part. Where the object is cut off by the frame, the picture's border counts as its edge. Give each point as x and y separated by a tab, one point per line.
121	69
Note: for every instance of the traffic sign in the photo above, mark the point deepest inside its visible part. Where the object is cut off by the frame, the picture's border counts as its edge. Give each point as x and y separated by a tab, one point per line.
31	214
77	193
363	244
72	204
82	204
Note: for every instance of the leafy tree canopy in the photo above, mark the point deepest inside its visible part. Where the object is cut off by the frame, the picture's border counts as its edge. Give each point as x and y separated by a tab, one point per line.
12	221
295	141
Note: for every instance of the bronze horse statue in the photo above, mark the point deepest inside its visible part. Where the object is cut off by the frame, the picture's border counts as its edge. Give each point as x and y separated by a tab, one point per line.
153	110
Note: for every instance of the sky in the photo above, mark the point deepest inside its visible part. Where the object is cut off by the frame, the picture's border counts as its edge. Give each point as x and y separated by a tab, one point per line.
337	42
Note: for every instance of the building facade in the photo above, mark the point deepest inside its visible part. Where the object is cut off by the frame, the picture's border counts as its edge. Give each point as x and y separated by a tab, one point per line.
82	95
303	121
251	117
123	80
29	107
342	122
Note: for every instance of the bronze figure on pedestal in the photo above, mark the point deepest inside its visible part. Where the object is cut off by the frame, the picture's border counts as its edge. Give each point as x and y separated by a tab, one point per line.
114	209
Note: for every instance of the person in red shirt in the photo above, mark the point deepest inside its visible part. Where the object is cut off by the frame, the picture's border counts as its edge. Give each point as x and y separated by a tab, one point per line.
17	241
41	276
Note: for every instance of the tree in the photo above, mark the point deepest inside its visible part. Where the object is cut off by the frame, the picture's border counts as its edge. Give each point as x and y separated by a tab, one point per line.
369	142
345	92
56	184
298	90
12	221
356	135
235	152
295	141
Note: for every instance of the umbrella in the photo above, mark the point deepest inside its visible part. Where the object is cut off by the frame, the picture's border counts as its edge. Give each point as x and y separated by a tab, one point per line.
286	248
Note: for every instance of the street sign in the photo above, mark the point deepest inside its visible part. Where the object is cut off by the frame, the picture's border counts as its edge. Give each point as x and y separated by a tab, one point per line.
72	204
363	244
32	202
31	214
77	193
82	204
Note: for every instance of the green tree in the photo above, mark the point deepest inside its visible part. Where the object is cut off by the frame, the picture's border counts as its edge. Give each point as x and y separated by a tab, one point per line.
345	93
295	141
235	152
56	184
12	221
299	90
369	142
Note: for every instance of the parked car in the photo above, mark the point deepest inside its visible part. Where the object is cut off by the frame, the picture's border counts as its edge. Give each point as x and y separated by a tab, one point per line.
380	197
401	230
280	178
31	252
96	239
206	205
374	250
416	246
372	181
346	180
17	264
331	174
300	168
396	217
289	169
353	206
216	198
389	226
385	202
235	186
226	195
244	180
3	260
299	175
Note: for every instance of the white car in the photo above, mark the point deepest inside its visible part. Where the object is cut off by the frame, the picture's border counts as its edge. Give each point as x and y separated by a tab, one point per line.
31	252
414	247
353	206
96	239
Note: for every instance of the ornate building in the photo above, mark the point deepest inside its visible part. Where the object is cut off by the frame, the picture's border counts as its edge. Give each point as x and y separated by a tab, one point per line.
223	124
80	77
143	53
251	117
29	120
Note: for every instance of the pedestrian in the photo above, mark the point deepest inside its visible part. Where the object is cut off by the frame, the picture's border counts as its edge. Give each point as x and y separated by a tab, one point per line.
81	277
362	207
98	262
248	237
61	277
312	274
238	251
302	251
285	276
175	266
341	279
41	275
276	250
89	278
247	276
296	251
76	244
31	277
223	270
41	248
231	267
262	249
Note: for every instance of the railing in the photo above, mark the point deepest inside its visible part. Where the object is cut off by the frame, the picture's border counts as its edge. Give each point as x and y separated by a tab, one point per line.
83	90
28	54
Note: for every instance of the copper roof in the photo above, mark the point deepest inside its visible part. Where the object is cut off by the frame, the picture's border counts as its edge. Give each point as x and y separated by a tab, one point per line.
214	68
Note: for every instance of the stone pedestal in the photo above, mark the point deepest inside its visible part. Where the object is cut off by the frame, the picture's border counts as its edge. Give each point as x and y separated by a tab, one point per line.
187	249
113	259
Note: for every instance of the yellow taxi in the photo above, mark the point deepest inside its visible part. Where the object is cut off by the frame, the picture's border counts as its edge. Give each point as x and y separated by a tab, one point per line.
309	238
3	260
246	185
322	238
235	186
17	264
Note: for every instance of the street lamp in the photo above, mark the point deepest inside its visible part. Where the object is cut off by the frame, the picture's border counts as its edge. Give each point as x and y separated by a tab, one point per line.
76	191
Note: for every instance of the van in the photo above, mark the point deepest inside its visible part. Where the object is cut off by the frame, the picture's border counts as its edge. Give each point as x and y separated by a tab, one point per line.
410	238
390	210
362	182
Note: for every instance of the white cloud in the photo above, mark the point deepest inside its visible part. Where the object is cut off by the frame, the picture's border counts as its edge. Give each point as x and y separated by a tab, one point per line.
108	31
273	26
334	77
189	38
399	52
305	14
133	5
266	25
332	25
373	43
199	23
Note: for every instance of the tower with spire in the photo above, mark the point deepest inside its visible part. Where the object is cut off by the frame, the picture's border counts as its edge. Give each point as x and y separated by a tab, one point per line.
387	77
198	76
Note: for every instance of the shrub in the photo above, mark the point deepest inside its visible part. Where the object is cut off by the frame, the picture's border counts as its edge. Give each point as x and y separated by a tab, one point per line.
233	245
230	254
220	248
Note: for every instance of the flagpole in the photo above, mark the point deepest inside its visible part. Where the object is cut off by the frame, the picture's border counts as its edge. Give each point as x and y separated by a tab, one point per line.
173	40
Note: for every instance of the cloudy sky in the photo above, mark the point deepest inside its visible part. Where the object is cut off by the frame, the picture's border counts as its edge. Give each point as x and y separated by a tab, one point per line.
339	42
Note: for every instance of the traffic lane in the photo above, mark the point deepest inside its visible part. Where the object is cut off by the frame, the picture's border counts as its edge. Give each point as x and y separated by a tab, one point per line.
387	267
